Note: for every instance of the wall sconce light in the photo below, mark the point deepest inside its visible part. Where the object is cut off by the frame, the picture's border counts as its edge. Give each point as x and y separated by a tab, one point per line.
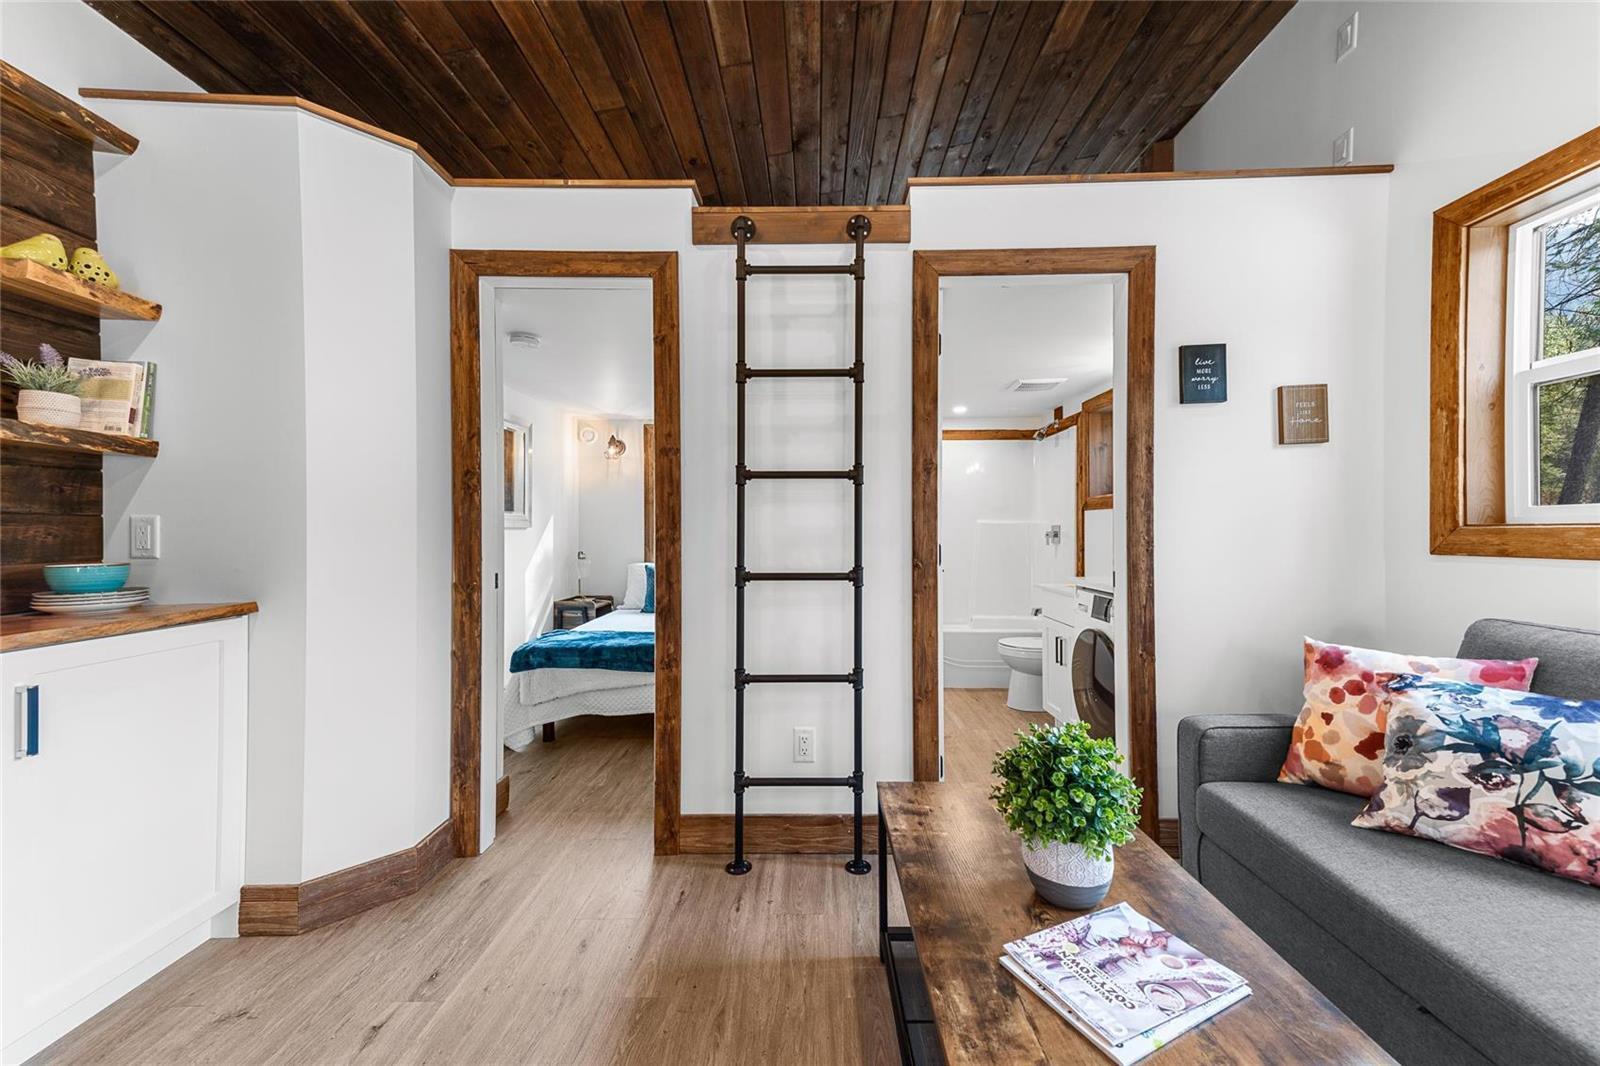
615	449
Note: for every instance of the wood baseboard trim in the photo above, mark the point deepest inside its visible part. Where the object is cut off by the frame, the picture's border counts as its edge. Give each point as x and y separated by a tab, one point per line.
775	834
1169	837
502	795
288	910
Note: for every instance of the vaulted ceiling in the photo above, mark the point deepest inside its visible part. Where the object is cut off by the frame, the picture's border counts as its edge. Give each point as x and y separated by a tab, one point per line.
800	102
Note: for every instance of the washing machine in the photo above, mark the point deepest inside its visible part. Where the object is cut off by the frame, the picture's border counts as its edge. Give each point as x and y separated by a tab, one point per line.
1093	664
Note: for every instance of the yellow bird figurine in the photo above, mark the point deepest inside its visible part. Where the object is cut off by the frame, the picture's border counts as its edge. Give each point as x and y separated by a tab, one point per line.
44	248
87	264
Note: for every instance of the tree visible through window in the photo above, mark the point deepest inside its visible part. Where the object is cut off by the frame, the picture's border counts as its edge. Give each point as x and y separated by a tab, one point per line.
1569	409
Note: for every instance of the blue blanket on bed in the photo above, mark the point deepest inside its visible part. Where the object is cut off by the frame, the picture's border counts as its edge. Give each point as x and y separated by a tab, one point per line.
587	649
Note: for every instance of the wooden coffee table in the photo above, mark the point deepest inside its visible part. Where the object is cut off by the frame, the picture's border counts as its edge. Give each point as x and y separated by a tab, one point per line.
967	893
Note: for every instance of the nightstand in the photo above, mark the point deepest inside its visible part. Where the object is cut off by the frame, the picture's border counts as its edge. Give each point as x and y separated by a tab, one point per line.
572	612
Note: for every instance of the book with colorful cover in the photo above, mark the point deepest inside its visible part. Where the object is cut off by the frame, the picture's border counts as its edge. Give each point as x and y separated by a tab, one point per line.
1136	1048
1125	977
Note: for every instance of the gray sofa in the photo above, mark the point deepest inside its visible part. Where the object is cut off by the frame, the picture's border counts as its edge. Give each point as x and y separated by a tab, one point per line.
1442	956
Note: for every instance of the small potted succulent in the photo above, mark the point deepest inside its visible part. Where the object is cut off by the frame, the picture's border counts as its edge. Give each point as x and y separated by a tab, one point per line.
48	393
1062	792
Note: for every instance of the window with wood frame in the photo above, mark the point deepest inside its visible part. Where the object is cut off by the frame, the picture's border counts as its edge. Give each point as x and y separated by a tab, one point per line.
1516	362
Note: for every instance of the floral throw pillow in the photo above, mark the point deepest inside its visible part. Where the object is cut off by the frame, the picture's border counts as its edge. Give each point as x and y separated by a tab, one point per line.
1516	775
1338	738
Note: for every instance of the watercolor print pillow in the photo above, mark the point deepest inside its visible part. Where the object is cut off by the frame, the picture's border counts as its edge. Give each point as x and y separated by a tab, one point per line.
1338	738
1516	775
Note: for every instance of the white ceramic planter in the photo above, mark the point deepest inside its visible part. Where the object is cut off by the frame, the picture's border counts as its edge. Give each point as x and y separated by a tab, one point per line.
1068	876
49	408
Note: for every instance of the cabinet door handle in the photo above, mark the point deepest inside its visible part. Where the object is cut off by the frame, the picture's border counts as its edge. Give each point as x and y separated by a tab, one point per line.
27	721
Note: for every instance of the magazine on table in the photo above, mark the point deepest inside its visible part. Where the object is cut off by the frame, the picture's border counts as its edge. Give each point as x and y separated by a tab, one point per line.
1125	982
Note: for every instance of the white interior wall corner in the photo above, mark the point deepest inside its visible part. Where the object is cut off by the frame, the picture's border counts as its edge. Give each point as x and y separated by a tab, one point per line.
1454	95
205	217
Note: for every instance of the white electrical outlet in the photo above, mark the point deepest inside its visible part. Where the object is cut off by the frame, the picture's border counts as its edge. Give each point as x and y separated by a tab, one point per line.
1344	39
144	536
1344	148
805	744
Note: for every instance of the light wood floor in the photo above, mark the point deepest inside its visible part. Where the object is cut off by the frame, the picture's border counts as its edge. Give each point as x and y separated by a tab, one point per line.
567	942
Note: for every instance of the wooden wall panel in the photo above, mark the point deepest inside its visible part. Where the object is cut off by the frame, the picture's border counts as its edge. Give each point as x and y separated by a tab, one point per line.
50	503
799	103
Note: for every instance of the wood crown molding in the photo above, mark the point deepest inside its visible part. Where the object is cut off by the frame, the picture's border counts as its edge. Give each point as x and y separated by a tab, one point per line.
312	108
1140	175
891	224
1467	431
773	834
289	910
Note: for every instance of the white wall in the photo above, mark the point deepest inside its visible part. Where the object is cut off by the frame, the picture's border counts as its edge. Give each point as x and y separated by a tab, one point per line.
1055	503
304	426
1255	544
1454	95
541	561
68	45
611	505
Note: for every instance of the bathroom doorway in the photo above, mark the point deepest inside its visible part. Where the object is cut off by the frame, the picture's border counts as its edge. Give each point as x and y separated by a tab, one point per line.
1020	357
1033	594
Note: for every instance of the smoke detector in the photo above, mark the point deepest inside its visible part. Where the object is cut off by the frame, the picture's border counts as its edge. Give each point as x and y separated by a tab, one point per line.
523	339
1034	384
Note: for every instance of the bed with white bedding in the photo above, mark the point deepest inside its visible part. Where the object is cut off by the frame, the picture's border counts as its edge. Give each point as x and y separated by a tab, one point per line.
543	690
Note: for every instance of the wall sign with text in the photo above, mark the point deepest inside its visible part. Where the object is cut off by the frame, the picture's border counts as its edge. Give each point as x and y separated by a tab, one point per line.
1302	414
1202	373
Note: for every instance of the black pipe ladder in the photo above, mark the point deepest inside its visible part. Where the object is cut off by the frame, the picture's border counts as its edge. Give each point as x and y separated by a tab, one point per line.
744	231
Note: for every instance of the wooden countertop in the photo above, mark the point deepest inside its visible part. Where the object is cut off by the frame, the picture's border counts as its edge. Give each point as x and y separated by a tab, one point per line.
22	631
967	893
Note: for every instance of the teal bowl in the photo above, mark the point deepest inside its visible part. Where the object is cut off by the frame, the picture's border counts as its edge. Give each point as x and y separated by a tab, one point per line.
86	577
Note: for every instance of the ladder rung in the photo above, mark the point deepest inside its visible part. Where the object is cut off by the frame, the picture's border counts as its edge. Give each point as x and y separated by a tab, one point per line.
746	474
800	268
800	372
799	575
799	782
799	679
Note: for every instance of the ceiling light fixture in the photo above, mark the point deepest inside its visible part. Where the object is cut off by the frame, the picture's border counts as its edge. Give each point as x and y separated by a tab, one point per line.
959	409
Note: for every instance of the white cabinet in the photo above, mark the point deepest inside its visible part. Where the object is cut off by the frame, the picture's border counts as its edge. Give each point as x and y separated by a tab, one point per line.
1057	677
123	843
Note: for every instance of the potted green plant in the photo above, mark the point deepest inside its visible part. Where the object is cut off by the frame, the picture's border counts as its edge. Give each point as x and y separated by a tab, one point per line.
1063	792
48	391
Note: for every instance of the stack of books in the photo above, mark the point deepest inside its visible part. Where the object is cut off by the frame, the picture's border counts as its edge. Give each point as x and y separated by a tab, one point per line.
1123	981
117	398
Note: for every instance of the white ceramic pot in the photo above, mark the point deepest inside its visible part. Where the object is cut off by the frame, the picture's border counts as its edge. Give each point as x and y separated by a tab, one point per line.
1068	876
49	408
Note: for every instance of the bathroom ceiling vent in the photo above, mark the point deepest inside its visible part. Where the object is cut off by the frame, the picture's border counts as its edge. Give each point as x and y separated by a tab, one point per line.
1034	384
524	339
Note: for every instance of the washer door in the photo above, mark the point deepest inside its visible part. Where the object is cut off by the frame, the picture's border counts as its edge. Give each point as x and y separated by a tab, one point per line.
1094	682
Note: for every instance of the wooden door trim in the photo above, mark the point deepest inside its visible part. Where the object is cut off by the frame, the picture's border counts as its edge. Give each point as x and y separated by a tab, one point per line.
466	626
1139	265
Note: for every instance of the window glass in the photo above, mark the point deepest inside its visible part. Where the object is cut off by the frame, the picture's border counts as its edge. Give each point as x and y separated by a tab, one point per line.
1569	440
1571	284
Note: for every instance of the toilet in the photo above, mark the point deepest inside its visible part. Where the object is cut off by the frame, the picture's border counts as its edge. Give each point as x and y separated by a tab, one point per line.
1025	655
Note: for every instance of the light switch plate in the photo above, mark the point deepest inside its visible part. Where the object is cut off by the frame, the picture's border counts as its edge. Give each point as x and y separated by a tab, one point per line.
1344	39
144	536
1344	148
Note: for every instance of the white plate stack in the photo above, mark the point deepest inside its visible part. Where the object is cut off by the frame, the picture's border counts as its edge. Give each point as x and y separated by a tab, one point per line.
89	602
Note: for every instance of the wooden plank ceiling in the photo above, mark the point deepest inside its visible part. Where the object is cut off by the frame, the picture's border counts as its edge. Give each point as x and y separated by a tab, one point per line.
800	102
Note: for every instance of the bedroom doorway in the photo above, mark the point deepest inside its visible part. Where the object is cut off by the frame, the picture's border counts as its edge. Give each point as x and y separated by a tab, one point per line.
552	436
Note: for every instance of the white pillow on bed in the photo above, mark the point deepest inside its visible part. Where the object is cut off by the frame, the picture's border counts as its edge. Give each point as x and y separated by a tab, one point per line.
638	581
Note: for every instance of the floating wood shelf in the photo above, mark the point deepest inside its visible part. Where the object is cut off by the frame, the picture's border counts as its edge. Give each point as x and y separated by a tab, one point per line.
19	632
28	94
24	277
82	441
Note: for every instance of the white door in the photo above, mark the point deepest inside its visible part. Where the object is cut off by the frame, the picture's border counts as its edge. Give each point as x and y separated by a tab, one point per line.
114	829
